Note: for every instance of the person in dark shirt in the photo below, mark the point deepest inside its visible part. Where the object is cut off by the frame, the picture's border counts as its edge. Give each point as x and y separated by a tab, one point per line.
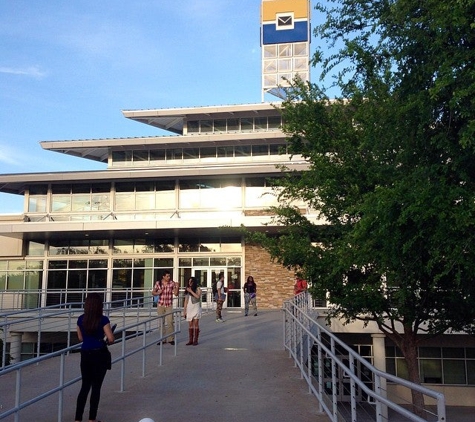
250	292
91	328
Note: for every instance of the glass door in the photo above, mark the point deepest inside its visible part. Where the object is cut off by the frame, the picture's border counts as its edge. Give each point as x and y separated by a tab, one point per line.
206	277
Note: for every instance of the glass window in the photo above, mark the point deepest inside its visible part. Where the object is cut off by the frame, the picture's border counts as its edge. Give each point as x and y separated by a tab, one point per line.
15	280
471	372
100	202
81	202
191	246
255	182
79	247
218	262
122	156
165	195
193	126
163	262
81	188
470	352
209	152
61	189
97	279
242	150
145	201
247	124
191	153
125	187
184	262
58	247
57	265
260	123
454	372
430	352
200	262
165	185
98	263
453	352
123	246
220	125
174	154
140	156
277	149
227	152
37	203
285	50
234	262
274	122
34	265
431	370
121	278
206	126
235	182
61	203
35	249
258	150
270	50
38	189
144	186
157	155
124	202
233	125
101	188
300	49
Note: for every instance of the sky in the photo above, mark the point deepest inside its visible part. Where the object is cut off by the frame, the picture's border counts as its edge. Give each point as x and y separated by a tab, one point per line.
69	68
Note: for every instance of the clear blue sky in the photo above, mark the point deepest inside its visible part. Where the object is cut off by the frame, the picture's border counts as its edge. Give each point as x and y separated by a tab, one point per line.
68	68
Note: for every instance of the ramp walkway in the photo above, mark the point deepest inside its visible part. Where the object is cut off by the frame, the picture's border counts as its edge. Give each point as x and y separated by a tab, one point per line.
238	372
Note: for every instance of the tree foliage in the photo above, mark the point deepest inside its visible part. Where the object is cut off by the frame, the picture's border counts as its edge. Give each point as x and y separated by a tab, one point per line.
391	168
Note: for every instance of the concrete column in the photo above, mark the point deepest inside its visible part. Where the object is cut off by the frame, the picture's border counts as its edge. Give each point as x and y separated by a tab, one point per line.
15	347
379	361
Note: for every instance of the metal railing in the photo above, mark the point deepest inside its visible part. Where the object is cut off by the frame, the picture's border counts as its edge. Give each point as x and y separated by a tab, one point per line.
23	299
18	375
60	320
347	386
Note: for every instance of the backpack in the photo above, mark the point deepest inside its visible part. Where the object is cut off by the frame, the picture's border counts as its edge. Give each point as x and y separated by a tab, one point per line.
157	297
215	287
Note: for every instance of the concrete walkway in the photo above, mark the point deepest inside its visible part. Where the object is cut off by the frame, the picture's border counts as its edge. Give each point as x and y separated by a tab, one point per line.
238	372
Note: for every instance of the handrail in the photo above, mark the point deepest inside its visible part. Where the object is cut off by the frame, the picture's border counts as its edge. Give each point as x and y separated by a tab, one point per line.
61	317
302	333
127	332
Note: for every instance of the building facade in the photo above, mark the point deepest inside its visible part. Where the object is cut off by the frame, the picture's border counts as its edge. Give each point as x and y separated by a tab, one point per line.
163	203
178	202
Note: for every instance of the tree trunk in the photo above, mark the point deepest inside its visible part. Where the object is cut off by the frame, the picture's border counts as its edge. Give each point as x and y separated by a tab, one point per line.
407	343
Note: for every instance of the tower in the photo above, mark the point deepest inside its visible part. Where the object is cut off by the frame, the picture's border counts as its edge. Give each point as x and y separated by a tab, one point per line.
285	42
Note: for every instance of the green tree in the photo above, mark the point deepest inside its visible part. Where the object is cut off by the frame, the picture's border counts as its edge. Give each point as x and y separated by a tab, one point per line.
391	169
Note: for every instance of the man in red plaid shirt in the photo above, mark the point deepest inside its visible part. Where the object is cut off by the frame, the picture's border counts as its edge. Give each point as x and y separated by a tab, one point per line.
166	288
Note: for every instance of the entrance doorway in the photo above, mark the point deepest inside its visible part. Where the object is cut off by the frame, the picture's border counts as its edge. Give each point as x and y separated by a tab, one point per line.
207	276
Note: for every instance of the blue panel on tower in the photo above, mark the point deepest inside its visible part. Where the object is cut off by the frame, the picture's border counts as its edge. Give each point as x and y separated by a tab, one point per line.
270	35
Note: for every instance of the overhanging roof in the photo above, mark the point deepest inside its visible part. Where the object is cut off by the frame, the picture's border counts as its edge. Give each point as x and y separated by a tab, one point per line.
98	149
18	183
173	119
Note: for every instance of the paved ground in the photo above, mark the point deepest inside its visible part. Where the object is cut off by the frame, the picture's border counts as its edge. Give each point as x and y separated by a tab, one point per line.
239	372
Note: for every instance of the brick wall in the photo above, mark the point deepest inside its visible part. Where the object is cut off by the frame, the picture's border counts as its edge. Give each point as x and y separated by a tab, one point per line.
274	282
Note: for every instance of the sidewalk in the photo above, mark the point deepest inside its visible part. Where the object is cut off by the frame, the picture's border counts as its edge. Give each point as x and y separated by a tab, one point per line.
238	372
